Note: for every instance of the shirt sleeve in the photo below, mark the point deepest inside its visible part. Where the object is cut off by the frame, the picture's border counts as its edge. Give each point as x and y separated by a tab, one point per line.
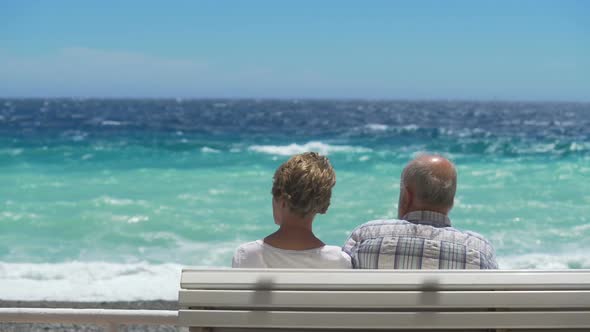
248	256
346	261
490	261
352	240
236	261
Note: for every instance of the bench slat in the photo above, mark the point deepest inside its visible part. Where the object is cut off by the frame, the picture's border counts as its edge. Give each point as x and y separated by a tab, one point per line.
384	299
384	320
288	279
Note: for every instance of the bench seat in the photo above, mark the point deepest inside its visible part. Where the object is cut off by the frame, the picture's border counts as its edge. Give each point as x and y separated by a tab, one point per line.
308	300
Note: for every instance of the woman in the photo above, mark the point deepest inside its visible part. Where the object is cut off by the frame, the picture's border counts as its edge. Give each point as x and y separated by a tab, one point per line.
301	188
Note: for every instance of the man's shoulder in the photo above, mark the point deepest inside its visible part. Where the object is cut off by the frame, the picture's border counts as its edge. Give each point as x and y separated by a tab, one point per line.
403	228
477	236
400	238
381	223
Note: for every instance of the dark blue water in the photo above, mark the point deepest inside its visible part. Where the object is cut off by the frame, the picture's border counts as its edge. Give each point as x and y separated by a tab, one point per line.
457	127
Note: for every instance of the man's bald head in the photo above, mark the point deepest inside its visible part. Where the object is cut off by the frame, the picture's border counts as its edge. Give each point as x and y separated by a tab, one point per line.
431	180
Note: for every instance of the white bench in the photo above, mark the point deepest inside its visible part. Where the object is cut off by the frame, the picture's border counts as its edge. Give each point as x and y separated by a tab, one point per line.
241	299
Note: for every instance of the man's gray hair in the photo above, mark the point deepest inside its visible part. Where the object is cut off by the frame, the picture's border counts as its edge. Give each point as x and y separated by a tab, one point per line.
431	188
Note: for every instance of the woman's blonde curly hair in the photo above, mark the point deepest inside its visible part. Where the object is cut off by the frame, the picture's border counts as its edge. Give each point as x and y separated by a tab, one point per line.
305	182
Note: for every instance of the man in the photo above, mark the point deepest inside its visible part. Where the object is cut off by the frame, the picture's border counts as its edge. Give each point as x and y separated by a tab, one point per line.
424	237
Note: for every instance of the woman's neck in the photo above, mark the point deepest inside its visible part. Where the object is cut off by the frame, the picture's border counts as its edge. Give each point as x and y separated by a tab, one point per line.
294	238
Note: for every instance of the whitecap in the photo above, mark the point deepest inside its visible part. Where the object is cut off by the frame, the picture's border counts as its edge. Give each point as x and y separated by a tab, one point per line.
108	200
188	197
17	216
577	147
410	127
75	135
137	219
16	152
376	127
322	148
581	228
111	123
206	149
578	260
89	281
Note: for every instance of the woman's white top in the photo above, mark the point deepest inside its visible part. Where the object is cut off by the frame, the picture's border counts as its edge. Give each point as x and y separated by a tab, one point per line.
258	254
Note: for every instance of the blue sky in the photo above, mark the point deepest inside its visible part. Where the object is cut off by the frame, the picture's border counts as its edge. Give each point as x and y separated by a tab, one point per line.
508	50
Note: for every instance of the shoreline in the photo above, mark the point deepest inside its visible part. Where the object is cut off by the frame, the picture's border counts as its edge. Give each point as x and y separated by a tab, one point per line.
39	327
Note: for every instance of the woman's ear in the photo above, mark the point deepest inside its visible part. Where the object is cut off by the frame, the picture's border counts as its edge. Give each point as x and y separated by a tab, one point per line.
276	207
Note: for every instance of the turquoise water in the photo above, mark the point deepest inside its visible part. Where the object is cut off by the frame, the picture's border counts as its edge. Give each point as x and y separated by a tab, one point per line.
193	208
113	206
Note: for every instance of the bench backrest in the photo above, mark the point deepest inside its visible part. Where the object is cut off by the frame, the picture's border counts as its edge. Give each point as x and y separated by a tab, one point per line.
384	299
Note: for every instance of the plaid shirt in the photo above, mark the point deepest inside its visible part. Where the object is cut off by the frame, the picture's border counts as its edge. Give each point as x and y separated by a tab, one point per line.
423	240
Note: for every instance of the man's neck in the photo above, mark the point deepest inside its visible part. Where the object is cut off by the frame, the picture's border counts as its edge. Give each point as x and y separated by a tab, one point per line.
424	208
425	217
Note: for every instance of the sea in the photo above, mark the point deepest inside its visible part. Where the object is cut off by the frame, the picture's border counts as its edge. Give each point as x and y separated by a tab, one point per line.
108	199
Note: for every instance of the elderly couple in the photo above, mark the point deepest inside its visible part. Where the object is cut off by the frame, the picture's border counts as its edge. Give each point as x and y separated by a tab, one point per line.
422	237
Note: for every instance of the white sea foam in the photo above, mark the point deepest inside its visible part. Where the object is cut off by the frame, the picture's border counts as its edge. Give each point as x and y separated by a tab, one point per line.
75	135
410	127
130	219
575	146
17	216
102	281
112	123
207	149
96	281
376	127
578	260
322	148
16	152
582	228
108	200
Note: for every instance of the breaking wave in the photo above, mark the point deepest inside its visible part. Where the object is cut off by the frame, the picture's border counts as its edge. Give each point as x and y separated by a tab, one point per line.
101	281
322	148
561	261
84	281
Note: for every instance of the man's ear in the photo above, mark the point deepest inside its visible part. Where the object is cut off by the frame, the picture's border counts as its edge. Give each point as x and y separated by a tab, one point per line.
409	197
406	199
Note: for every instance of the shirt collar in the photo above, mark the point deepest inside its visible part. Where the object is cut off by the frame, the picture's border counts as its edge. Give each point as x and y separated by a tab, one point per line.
431	218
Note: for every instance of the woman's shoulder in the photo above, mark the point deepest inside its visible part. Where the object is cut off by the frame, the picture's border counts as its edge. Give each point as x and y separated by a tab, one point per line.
246	252
331	249
250	247
335	253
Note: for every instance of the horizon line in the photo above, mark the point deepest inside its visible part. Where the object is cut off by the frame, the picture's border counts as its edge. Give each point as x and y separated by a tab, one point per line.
350	99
